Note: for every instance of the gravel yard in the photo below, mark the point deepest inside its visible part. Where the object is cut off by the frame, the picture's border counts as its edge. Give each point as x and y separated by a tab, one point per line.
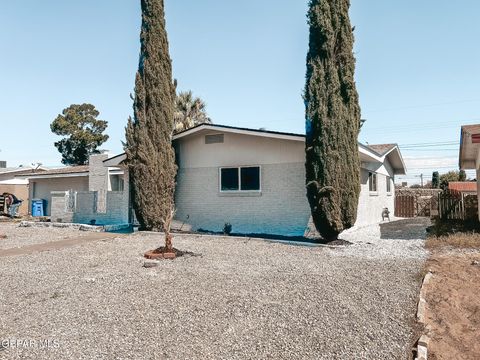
24	236
238	299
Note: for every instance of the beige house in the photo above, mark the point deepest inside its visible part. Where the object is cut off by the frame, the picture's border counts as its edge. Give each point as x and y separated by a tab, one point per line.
469	158
255	180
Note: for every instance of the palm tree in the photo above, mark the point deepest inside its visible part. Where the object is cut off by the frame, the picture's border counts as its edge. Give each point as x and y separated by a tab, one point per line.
189	111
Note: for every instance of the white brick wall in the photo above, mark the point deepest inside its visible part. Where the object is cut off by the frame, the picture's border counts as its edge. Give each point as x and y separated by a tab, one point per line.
281	208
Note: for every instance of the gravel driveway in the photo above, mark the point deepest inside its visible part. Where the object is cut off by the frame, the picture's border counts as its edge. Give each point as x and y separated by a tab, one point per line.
238	299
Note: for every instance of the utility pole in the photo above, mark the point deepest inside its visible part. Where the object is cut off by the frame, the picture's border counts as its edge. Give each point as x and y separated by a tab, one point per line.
421	178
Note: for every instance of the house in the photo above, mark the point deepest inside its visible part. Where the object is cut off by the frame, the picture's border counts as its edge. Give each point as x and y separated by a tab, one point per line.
255	180
9	182
464	187
252	179
82	193
469	157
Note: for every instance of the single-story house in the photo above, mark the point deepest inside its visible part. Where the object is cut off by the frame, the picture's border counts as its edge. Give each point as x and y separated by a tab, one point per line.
10	183
251	179
81	193
469	157
255	180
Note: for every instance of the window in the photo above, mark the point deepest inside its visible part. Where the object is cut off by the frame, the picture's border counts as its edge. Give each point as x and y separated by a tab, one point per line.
389	184
229	179
240	178
372	182
214	139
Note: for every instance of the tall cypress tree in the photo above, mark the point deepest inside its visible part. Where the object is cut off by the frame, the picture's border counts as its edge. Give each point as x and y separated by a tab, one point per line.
332	119
435	180
150	156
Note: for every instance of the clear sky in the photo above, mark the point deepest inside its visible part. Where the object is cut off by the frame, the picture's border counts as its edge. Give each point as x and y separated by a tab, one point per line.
418	69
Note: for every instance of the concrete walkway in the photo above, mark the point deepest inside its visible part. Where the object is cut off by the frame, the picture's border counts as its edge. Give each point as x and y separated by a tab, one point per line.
56	245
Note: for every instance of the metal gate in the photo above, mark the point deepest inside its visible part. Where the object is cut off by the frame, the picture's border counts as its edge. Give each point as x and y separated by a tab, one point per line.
405	206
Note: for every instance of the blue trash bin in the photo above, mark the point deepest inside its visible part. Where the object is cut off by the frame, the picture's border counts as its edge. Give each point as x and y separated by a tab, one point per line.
38	207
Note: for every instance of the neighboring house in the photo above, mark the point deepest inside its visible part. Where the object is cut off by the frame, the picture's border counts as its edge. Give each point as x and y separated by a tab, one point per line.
255	180
465	187
83	193
469	158
19	187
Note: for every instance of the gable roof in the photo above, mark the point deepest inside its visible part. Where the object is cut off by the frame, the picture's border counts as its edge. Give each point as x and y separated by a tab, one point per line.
382	149
376	153
240	130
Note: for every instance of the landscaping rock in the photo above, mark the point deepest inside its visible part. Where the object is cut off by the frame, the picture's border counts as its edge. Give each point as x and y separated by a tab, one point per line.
150	263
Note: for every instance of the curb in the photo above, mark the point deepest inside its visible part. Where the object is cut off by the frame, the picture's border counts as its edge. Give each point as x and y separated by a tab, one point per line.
422	343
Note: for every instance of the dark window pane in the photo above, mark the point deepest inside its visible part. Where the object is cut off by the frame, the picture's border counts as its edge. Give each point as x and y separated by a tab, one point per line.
250	178
229	179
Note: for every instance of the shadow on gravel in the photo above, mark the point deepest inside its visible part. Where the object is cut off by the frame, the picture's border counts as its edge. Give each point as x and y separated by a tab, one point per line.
407	229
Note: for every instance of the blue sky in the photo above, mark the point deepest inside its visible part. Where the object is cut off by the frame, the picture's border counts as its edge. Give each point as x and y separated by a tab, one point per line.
418	68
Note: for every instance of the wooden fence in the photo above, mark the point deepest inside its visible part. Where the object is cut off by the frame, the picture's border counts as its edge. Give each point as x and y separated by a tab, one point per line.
454	205
405	206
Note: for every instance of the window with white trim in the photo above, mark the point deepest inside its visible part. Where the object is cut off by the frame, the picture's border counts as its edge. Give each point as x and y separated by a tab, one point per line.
372	182
244	178
389	184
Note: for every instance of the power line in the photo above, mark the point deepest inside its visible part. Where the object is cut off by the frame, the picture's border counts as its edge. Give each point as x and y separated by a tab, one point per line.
424	106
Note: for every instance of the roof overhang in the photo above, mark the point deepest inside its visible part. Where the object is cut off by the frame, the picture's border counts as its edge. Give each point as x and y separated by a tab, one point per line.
394	157
236	130
469	147
52	176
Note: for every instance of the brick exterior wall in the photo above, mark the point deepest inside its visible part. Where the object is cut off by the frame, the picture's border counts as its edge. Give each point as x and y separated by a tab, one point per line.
280	208
116	206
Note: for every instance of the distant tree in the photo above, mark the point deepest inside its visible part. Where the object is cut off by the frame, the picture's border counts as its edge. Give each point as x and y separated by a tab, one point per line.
416	186
462	175
82	131
190	111
445	179
150	156
435	180
332	119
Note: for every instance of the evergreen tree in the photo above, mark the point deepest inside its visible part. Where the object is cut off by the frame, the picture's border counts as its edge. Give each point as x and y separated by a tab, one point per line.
150	155
435	180
332	119
82	131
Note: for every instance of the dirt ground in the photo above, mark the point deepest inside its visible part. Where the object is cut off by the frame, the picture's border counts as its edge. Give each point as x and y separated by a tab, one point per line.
453	303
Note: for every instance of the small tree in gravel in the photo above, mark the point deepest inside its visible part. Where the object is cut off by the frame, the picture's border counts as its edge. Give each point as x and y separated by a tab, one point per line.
150	156
332	119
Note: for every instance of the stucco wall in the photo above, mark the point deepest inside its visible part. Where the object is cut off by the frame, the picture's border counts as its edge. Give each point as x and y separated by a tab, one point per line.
21	192
238	150
42	188
371	204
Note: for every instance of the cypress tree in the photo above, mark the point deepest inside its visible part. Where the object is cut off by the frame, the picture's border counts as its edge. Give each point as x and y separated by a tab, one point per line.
150	156
435	180
332	119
